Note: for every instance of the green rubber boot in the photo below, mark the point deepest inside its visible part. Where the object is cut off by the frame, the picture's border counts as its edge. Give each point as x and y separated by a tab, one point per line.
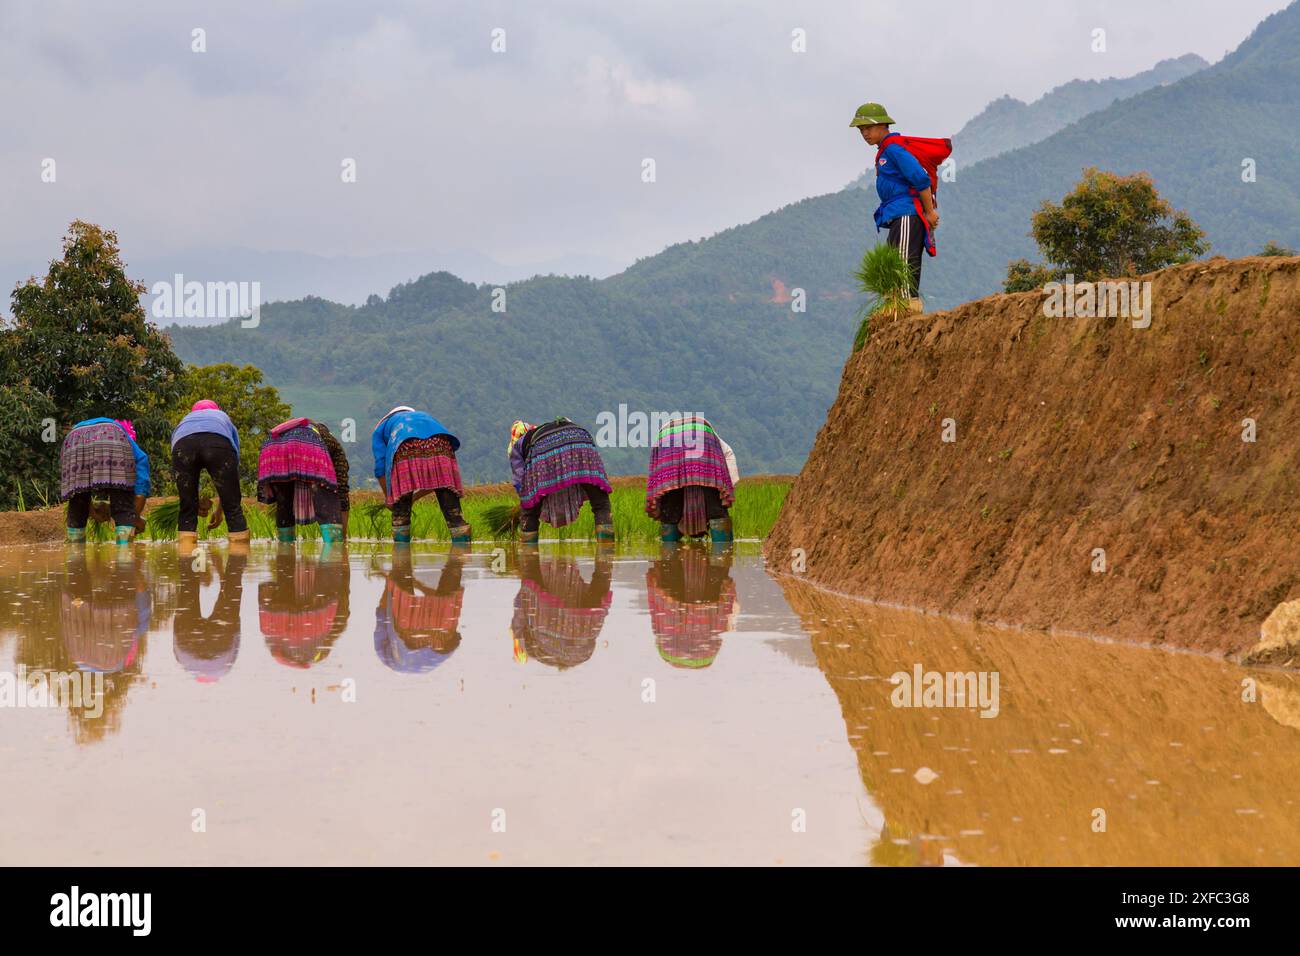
462	535
125	533
605	533
401	534
76	536
720	531
331	533
286	535
668	533
529	537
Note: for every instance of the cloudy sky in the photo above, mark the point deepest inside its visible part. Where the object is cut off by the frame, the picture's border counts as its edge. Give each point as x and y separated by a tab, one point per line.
531	156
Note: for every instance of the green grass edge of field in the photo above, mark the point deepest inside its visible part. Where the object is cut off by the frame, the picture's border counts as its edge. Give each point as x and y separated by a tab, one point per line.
756	508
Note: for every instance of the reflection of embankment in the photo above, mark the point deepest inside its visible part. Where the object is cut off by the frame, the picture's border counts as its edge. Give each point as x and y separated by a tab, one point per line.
1186	771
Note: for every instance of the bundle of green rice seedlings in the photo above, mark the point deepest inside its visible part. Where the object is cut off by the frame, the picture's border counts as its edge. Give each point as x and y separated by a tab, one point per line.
502	520
371	517
161	522
886	278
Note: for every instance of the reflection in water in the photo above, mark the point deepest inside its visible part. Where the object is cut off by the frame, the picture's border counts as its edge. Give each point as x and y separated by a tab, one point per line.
302	608
1100	754
103	615
207	646
1187	764
417	625
104	612
692	604
558	615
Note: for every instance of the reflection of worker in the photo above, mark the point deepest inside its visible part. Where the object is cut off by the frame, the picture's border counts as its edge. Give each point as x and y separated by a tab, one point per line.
692	604
558	615
302	608
207	646
105	609
416	626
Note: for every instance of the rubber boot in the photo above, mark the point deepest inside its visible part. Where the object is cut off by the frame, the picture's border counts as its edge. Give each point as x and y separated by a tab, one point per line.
720	530
401	534
76	536
605	533
125	533
529	537
331	533
669	533
915	306
290	535
462	534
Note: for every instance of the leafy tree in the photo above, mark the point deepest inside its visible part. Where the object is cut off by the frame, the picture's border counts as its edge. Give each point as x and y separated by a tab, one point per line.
1110	226
1271	248
79	346
30	462
254	407
1026	276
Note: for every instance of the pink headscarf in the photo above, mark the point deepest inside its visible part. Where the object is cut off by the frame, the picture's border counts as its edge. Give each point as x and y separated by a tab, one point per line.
126	426
203	404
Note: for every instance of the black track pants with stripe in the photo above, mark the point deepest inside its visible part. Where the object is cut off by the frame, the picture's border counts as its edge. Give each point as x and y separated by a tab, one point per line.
907	235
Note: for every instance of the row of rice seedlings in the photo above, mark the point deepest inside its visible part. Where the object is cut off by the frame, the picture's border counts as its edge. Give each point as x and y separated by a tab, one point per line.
494	517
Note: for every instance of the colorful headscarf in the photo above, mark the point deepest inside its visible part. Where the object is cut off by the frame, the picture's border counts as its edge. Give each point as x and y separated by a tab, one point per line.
517	431
205	404
127	426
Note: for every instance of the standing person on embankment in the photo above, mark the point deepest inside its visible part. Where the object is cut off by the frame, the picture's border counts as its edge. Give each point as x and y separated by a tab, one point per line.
296	473
206	438
101	455
692	481
905	187
555	467
416	455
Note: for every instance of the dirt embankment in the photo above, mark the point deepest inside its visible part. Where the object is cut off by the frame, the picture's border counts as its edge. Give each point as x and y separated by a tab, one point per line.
1098	480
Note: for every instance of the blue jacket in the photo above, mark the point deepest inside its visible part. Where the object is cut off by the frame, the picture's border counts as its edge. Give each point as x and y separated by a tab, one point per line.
395	429
207	420
897	173
142	485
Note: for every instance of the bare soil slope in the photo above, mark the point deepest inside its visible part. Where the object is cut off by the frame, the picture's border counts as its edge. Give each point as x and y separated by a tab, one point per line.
1072	435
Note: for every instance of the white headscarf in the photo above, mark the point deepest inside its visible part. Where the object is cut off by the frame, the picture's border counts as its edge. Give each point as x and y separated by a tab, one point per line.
391	413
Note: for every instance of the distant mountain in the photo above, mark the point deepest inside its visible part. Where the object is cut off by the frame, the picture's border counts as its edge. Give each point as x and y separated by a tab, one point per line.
1008	123
708	326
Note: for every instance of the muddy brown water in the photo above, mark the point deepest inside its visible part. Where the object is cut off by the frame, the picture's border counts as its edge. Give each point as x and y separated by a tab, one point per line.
499	707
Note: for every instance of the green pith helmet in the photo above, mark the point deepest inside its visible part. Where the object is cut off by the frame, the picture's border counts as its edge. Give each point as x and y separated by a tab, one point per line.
869	114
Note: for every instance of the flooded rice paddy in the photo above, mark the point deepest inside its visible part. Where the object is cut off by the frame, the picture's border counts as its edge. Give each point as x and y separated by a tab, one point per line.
564	705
